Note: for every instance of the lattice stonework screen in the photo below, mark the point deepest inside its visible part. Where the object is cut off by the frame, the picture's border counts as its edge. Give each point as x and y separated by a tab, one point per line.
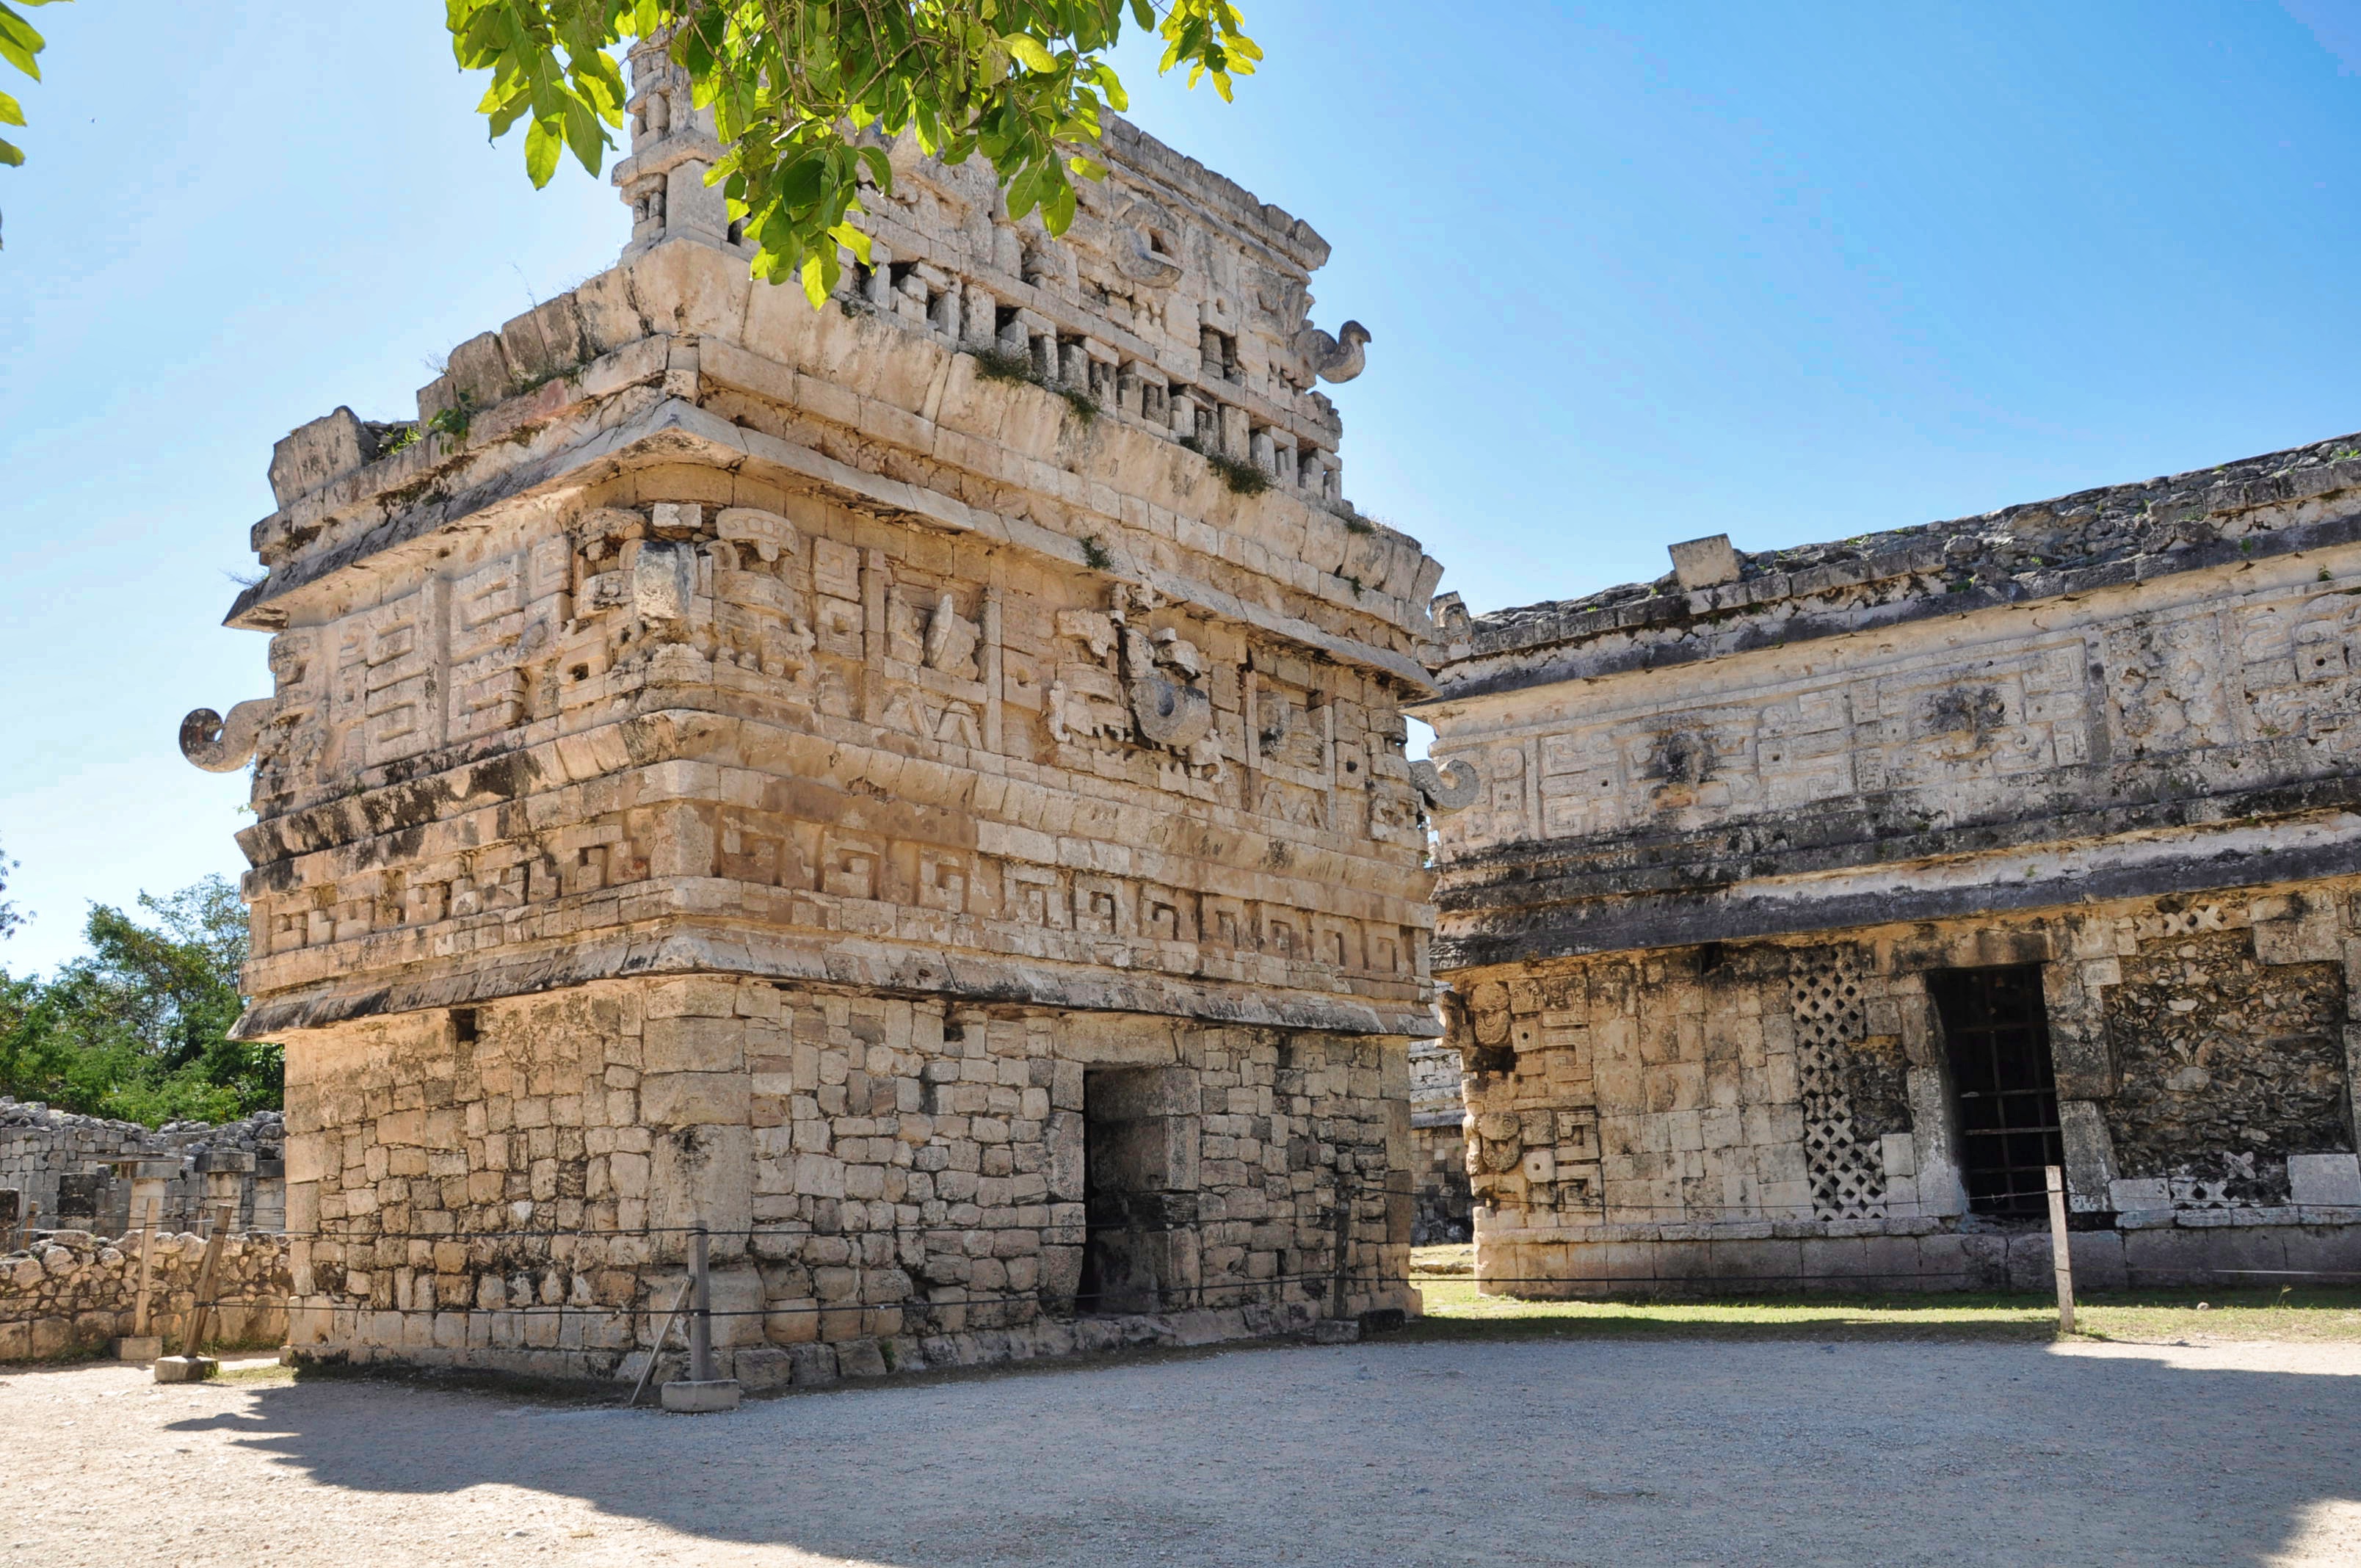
1847	1176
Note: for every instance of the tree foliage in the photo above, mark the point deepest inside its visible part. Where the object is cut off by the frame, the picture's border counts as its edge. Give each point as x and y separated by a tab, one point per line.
21	46
802	90
139	1027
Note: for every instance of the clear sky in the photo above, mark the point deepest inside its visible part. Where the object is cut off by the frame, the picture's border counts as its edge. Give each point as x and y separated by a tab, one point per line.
1636	272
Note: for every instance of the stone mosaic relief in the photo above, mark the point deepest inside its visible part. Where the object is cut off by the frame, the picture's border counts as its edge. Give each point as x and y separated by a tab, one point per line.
1967	734
1848	1168
1915	728
683	599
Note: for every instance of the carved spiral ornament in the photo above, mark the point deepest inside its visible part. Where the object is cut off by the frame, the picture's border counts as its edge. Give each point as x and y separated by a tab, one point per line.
222	745
1453	788
1168	713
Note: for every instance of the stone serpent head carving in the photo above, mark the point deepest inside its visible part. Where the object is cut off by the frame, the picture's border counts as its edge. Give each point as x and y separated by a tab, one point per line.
1452	788
222	745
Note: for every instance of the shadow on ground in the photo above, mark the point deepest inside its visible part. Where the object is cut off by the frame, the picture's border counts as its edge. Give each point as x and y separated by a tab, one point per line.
1585	1451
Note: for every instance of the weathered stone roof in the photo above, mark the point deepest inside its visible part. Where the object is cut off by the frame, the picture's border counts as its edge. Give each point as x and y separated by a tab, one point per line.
2034	550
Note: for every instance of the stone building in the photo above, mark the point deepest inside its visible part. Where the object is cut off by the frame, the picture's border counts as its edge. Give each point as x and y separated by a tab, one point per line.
915	786
1438	1146
1814	901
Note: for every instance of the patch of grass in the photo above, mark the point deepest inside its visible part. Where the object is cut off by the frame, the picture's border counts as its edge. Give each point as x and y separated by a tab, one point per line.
1355	523
400	440
1095	553
1455	1310
1242	479
1085	407
999	365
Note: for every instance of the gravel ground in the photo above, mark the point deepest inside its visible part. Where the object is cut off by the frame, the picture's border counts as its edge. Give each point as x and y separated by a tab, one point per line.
1578	1452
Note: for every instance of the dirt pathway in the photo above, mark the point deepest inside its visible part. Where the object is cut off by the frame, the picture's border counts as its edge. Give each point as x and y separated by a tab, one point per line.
1574	1452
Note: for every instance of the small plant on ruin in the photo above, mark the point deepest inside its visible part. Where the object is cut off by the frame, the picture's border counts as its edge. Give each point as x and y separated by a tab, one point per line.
1085	407
1355	523
1242	479
999	365
1094	554
1354	582
403	438
807	94
453	421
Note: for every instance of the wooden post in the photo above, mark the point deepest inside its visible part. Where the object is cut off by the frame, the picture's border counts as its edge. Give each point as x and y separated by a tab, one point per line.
194	1343
656	1349
700	1319
2061	1256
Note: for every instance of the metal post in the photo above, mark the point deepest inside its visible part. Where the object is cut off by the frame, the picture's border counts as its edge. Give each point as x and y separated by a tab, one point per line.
700	1320
2061	1255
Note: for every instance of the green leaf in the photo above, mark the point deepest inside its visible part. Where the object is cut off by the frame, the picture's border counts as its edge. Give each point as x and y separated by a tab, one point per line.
19	43
10	113
11	154
1030	52
541	145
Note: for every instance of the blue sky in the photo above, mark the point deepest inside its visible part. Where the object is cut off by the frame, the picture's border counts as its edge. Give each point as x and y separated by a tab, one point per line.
1636	272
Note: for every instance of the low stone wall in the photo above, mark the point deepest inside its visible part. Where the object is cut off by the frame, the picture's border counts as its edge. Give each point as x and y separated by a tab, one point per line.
60	1160
70	1292
2263	1248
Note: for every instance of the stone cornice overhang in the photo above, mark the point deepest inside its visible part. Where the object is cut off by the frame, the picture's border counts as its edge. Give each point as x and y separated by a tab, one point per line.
676	430
639	404
1782	610
2288	833
717	946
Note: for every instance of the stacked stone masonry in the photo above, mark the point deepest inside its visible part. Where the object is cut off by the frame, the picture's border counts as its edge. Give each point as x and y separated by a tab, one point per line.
69	1292
64	1171
1749	846
1438	1146
817	775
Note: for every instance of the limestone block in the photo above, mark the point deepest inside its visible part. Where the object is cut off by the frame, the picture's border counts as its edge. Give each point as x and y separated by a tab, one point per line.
1705	563
328	448
2324	1180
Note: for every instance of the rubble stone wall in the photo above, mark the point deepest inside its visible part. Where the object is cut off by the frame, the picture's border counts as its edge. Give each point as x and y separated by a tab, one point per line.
70	1292
1770	1110
46	1154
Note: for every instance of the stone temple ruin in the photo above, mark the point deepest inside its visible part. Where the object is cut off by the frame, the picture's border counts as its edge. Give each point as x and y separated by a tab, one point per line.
1813	902
916	788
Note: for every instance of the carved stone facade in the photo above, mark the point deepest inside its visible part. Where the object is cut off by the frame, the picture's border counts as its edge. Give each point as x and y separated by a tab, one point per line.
818	775
1811	902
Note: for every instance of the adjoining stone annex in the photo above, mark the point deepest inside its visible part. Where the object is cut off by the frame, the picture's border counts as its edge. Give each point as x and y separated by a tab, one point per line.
1814	901
916	786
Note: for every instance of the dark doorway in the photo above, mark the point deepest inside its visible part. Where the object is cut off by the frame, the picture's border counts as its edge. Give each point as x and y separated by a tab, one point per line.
1996	1034
1139	1179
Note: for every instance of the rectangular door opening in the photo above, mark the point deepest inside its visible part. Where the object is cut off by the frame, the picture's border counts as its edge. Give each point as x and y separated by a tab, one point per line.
1997	1036
1139	1188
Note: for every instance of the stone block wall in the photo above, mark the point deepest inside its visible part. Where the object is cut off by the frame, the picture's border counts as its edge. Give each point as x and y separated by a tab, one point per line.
1438	1172
887	1179
70	1292
1712	1117
47	1156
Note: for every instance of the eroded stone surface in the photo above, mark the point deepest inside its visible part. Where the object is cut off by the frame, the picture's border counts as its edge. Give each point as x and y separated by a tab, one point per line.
778	770
1728	839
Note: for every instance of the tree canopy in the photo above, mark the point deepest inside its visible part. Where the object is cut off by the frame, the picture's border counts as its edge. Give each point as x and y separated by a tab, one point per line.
802	89
139	1027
